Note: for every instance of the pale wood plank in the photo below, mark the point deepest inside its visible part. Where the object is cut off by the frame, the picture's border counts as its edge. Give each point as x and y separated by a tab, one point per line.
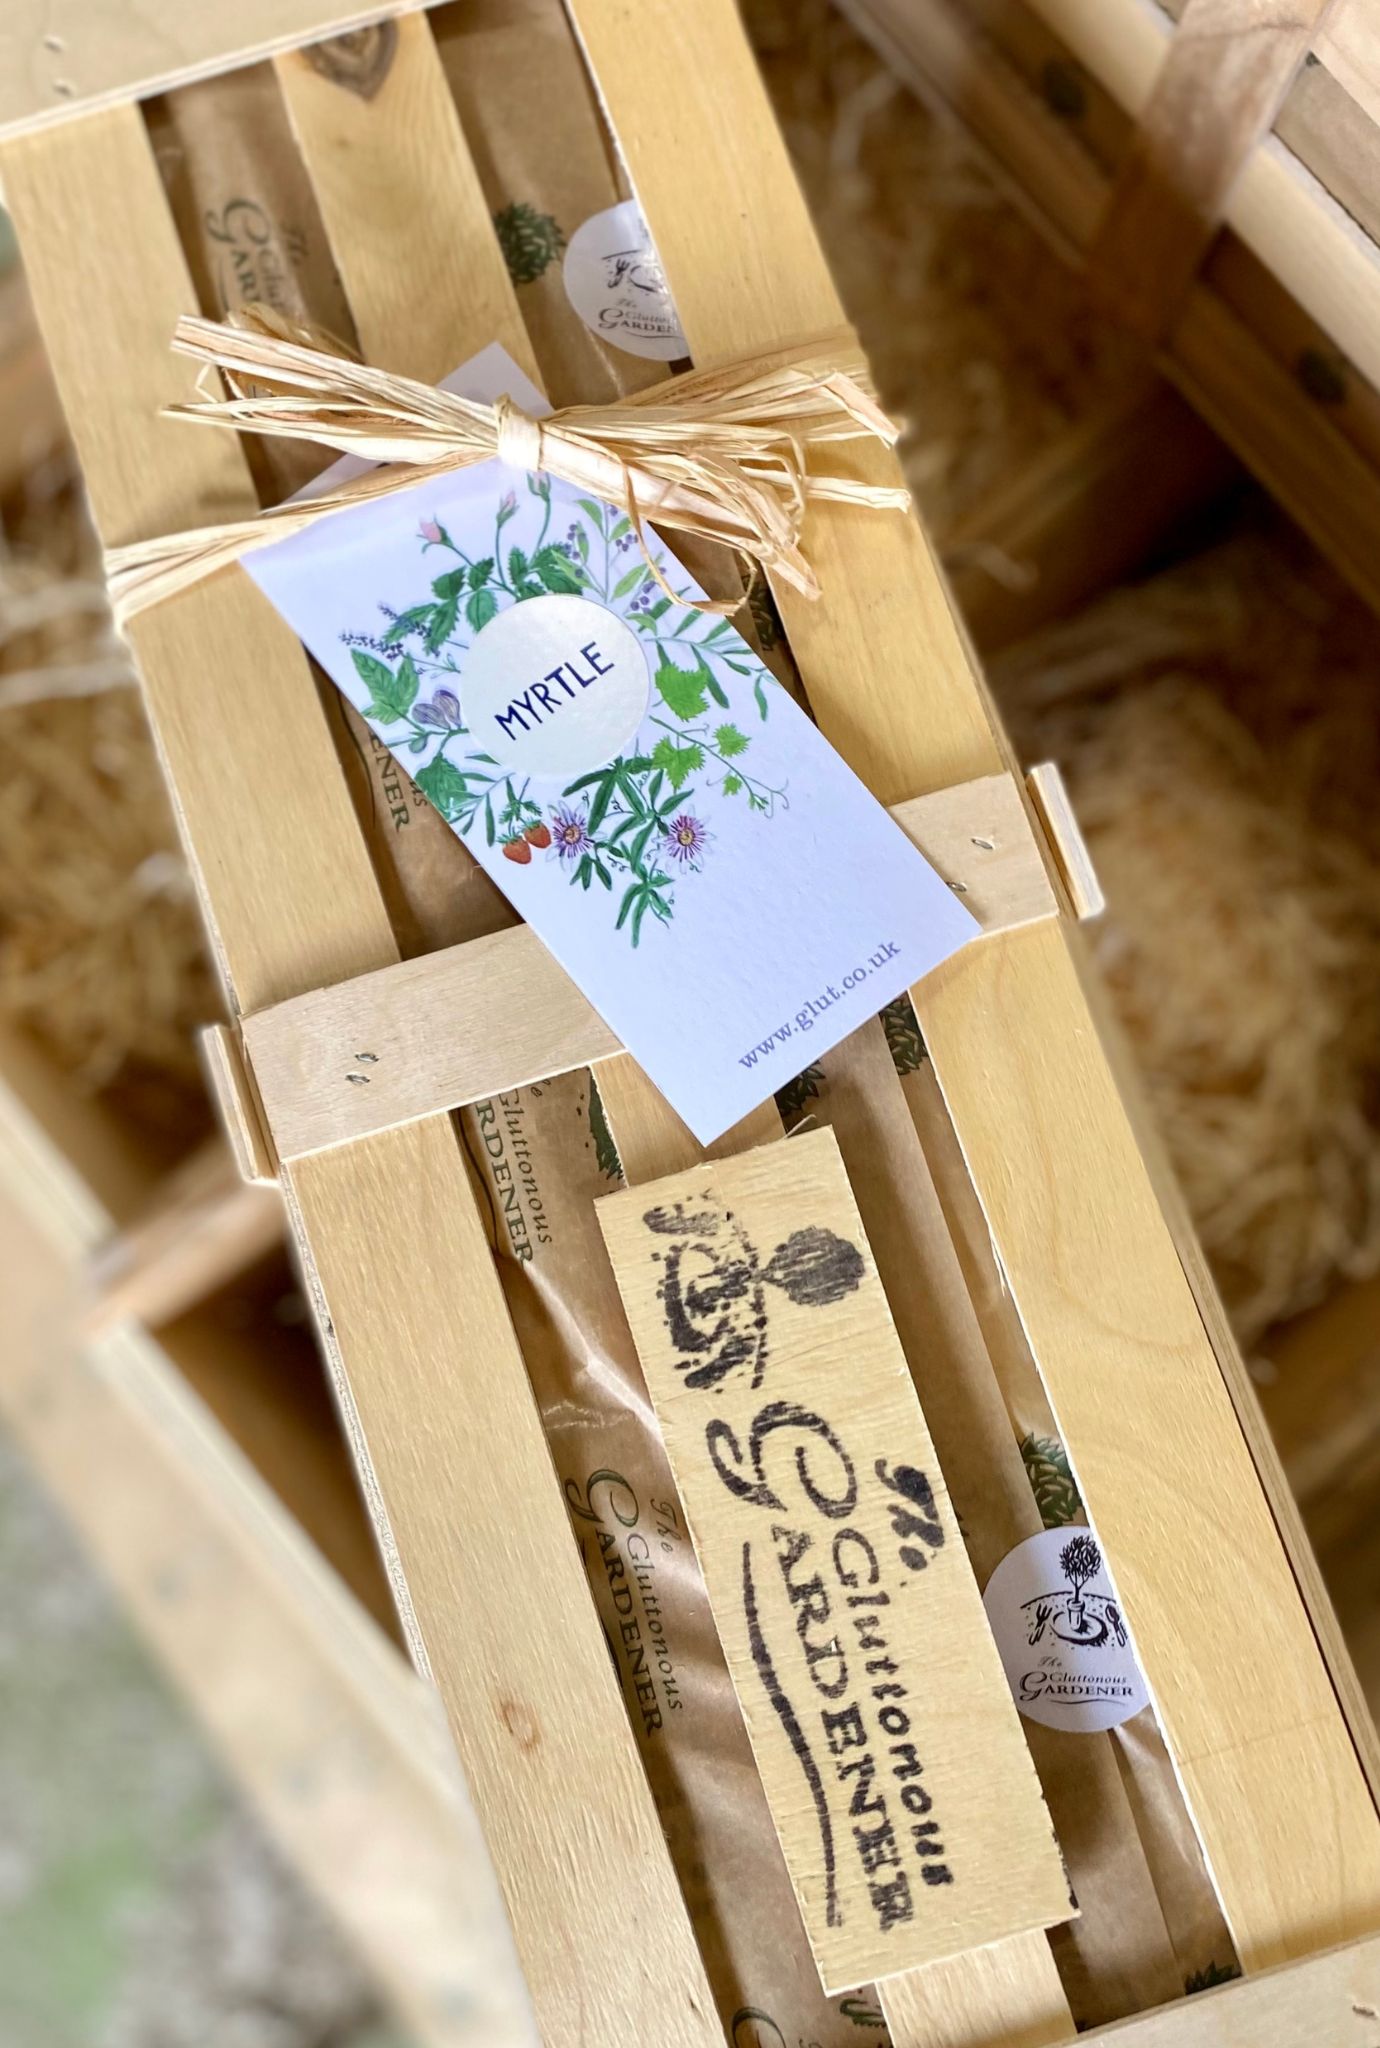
218	663
391	170
479	1523
1328	2001
1215	96
1091	1263
52	66
497	1012
905	1872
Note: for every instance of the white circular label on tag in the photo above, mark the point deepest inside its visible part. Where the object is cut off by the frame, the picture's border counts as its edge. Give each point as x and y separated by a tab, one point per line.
1060	1631
554	686
614	280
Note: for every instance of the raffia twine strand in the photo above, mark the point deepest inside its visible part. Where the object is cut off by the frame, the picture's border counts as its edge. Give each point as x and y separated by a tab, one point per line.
721	452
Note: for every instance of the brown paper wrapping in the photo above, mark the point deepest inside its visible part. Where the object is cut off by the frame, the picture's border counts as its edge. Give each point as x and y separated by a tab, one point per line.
542	1155
1201	1948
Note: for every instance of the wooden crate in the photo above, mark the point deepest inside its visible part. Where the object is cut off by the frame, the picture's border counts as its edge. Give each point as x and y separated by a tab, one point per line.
1256	1701
1247	263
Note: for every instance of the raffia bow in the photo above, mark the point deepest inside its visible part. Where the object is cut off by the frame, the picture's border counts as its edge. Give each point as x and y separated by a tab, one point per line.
720	453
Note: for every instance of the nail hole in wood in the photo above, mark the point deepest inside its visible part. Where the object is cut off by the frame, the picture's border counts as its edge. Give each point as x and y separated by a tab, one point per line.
987	845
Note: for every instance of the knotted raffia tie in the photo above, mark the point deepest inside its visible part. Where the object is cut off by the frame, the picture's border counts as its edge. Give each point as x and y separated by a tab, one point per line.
721	453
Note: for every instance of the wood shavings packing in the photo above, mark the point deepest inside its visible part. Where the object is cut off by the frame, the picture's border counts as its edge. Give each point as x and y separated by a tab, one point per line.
101	950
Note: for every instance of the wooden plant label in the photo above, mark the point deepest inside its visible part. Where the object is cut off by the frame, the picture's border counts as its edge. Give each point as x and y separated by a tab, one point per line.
909	1813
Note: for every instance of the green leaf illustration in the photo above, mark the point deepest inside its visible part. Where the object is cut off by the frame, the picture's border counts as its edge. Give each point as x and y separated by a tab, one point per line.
480	572
791	1099
557	571
480	607
443	618
451	584
730	741
681	691
903	1036
530	241
680	760
628	582
732	784
518	565
393	695
442	784
605	1151
1051	1481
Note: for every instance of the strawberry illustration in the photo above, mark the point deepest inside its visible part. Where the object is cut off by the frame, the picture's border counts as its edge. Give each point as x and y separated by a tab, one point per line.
539	835
518	850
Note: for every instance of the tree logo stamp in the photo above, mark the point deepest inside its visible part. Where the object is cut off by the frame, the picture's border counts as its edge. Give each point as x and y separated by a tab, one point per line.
1062	1635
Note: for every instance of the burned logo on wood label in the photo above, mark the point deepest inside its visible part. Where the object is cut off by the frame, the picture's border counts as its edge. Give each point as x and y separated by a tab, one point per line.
832	1561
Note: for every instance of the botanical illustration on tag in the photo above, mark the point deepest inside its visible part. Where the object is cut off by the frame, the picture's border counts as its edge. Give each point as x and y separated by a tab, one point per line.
630	819
719	884
906	1803
1061	1633
615	282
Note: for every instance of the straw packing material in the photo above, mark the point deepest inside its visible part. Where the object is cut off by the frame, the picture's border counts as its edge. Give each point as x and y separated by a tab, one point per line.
101	951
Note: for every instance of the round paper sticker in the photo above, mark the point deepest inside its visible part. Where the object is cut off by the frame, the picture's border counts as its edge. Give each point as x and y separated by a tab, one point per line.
614	280
554	686
1062	1638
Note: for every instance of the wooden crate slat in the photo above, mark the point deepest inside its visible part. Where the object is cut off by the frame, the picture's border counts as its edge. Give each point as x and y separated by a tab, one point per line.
497	1012
52	67
391	171
1090	1261
295	902
495	1581
1215	97
218	663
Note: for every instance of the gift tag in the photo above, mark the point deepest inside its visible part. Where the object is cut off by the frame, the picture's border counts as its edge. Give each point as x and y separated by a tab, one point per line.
724	890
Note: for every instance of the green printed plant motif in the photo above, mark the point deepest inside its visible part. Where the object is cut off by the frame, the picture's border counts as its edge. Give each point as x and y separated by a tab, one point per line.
636	826
1051	1481
530	241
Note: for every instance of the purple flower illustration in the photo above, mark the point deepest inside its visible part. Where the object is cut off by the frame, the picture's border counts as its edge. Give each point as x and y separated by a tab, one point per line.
686	838
569	831
441	711
431	532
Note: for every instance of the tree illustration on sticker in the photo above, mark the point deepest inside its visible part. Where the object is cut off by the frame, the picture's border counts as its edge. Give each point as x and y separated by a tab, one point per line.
1080	1560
